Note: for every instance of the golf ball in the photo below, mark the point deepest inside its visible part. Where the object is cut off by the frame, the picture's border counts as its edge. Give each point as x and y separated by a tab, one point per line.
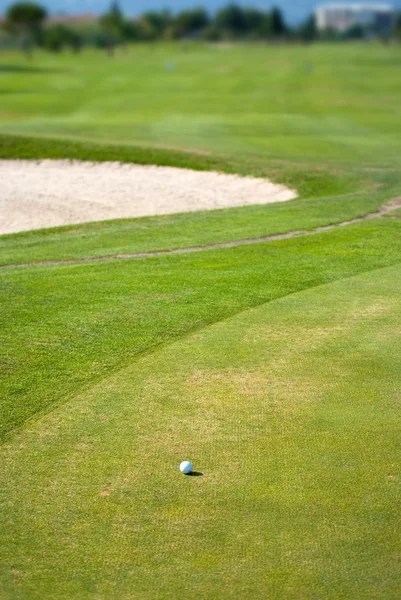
186	467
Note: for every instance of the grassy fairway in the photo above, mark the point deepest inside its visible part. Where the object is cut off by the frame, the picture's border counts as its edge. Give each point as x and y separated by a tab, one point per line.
65	327
274	367
290	410
325	120
318	103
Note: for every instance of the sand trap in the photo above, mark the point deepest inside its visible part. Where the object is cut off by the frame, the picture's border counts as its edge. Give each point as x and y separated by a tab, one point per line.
48	193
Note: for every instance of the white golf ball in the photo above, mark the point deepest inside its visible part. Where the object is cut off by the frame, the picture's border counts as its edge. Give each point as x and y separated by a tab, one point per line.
186	467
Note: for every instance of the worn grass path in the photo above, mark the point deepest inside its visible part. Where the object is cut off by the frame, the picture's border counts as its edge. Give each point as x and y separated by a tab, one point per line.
292	412
384	210
327	195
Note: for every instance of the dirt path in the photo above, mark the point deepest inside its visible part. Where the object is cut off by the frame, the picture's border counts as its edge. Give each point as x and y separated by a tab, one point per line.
50	193
383	210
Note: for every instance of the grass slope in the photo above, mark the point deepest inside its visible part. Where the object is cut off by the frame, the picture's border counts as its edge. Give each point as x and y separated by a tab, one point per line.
61	328
290	410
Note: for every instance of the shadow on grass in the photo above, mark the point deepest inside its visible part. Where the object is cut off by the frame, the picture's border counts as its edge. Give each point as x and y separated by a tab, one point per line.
194	474
26	69
9	92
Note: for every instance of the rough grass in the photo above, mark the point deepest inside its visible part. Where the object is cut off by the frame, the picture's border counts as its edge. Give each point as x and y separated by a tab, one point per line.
291	412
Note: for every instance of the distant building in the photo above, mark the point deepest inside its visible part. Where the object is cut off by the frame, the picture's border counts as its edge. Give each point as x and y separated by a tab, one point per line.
373	19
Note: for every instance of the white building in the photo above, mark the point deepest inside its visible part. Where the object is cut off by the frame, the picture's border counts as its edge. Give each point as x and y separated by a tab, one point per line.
373	18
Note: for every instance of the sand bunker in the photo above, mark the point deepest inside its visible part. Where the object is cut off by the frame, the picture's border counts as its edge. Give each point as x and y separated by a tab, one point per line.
48	193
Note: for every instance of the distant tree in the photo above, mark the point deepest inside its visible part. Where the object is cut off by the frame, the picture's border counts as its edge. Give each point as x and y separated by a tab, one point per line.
212	33
154	25
308	30
59	36
254	20
190	23
112	25
231	20
147	31
25	20
75	41
53	38
356	32
329	35
110	33
266	27
130	30
116	12
397	28
278	26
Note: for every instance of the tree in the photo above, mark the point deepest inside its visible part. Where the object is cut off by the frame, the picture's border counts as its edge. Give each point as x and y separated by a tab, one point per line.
397	29
266	27
59	36
116	12
131	30
53	38
308	30
112	24
231	20
278	25
154	25
25	19
211	34
254	22
356	32
190	23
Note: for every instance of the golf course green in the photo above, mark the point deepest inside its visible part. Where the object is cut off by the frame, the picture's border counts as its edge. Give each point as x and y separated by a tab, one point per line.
274	367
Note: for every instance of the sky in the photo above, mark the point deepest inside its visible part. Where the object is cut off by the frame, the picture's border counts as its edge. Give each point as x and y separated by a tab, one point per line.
294	10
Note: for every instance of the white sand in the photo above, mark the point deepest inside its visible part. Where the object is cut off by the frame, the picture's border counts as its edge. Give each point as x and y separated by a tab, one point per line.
48	193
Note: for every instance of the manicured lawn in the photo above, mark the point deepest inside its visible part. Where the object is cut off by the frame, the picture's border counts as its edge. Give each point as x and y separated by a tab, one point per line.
274	367
323	119
325	196
322	103
292	413
65	327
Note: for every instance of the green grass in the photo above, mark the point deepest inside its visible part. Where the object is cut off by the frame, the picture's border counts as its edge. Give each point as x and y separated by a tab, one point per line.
290	410
326	195
274	367
342	194
182	230
64	327
321	103
323	119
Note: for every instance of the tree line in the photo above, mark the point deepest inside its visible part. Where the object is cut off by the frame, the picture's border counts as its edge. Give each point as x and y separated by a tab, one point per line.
28	23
